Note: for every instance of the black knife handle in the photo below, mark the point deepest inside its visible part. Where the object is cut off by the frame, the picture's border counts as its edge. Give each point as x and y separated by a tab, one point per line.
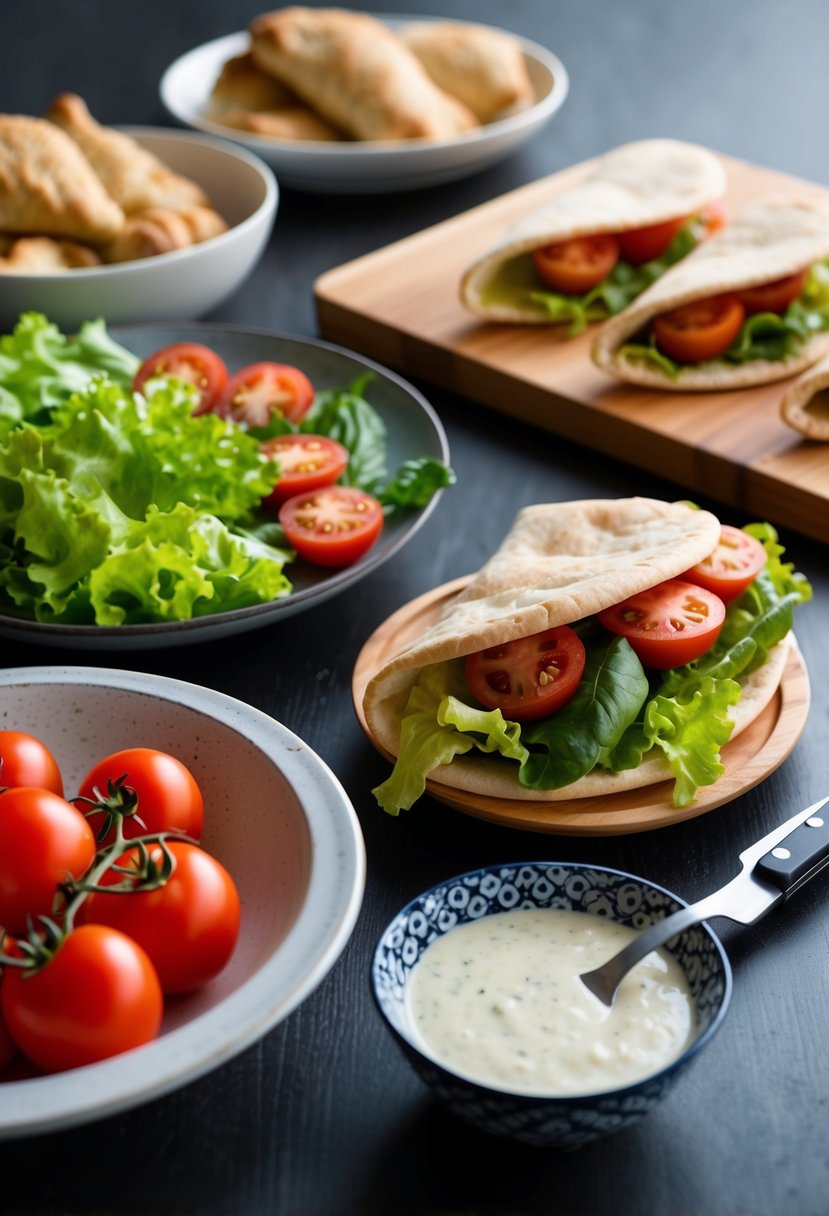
801	855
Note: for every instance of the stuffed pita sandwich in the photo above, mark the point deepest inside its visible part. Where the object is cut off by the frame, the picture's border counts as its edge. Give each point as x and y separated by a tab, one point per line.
750	306
805	404
553	617
595	247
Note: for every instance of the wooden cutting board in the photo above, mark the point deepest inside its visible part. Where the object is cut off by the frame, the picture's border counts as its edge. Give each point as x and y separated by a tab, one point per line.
400	306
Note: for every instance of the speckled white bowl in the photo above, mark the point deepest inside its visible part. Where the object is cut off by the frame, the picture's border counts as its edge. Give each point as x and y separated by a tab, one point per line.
176	286
275	816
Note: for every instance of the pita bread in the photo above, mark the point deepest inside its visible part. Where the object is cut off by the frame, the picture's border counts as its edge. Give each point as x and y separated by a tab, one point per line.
773	238
805	405
633	186
560	562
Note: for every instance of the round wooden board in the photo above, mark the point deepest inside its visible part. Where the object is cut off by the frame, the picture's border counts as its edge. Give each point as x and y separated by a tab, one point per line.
748	759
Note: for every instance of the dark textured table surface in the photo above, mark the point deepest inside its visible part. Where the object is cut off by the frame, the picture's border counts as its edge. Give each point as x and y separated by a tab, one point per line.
323	1117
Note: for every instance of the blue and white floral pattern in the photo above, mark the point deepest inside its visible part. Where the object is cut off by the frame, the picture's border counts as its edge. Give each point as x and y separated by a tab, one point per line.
561	1122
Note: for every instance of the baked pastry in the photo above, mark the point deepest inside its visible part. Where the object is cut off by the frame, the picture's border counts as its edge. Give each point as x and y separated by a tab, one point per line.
159	230
242	85
290	122
48	186
484	68
354	72
130	174
45	255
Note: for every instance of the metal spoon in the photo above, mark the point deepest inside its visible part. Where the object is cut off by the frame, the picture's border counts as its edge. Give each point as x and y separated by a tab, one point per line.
772	869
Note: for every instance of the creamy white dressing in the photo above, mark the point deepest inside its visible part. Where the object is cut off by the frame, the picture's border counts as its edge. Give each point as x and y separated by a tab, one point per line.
499	1001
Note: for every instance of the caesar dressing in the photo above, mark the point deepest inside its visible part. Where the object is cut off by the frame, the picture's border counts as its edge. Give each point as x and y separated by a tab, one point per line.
500	1001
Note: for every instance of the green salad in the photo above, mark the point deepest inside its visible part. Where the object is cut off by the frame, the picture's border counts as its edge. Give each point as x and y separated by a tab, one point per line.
119	507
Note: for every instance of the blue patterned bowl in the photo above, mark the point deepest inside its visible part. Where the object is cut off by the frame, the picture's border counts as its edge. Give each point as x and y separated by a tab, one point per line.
564	1122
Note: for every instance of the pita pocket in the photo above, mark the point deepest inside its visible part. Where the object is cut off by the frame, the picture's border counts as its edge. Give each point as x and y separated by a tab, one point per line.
805	404
631	187
560	564
773	239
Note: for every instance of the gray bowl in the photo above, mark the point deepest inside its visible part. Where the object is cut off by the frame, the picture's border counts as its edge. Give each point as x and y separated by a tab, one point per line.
563	1122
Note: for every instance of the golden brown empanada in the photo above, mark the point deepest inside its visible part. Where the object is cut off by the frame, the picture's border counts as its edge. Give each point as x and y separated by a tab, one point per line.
45	255
48	186
242	85
482	67
290	122
134	177
354	72
159	230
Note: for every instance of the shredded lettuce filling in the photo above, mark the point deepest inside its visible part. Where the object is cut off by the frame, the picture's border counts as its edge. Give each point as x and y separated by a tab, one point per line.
764	335
618	716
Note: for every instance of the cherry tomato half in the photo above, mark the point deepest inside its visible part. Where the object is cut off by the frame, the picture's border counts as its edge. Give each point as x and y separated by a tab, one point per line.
43	840
306	462
576	265
168	797
668	625
529	678
772	297
24	760
188	927
254	394
640	245
734	564
332	526
98	996
701	330
190	361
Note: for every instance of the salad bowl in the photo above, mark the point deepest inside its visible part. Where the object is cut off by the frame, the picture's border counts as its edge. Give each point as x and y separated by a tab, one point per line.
275	817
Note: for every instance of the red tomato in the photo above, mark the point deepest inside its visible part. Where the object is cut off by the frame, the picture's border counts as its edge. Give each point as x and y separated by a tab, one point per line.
306	462
168	798
98	996
529	678
668	625
640	245
332	526
254	394
576	265
43	840
8	1047
773	297
734	564
24	760
188	927
700	330
189	361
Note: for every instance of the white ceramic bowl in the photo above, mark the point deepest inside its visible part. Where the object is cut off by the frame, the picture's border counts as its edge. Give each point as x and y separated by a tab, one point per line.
181	285
275	816
354	168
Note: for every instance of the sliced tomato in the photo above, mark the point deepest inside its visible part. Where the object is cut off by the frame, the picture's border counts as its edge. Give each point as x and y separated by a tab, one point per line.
668	625
257	392
576	265
640	245
529	678
733	566
189	361
773	297
332	526
701	330
306	462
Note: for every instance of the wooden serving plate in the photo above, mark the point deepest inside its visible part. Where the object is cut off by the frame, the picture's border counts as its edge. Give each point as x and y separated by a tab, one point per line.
400	305
748	759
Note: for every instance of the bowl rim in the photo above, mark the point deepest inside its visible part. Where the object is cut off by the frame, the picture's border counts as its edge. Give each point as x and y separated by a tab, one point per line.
329	912
263	212
568	1100
535	114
